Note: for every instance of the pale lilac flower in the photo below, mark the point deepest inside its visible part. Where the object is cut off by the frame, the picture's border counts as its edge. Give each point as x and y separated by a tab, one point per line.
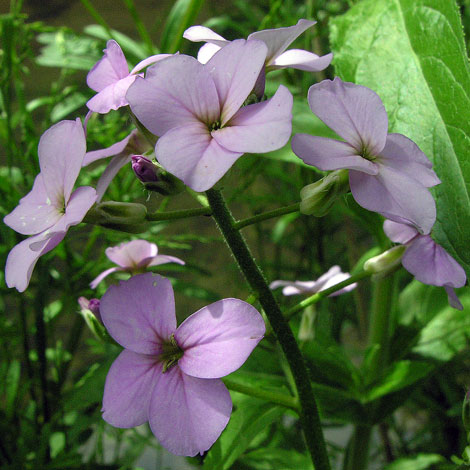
51	207
144	169
198	112
277	40
169	376
388	173
134	257
427	261
110	77
332	277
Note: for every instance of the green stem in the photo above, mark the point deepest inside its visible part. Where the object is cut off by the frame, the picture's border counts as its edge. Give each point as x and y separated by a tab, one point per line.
309	416
97	17
267	215
313	299
358	449
282	399
181	214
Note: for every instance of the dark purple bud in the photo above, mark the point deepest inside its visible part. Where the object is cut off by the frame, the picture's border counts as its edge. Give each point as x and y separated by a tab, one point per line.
144	169
94	307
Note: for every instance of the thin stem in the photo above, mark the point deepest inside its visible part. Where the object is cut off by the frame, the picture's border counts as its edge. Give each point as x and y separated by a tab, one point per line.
358	448
309	416
267	215
97	17
313	299
181	214
282	399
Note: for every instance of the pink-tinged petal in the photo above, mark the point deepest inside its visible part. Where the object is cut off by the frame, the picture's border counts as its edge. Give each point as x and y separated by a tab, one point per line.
111	68
279	39
188	414
235	69
111	97
175	92
293	287
204	34
149	61
61	151
128	389
104	274
329	154
22	259
395	196
206	52
111	151
260	127
301	60
191	154
431	264
34	213
405	156
110	172
163	259
140	313
130	255
399	233
218	339
452	298
354	112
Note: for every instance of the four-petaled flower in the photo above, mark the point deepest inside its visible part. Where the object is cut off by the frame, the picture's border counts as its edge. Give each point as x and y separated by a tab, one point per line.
51	207
388	173
134	257
427	261
170	376
198	112
332	277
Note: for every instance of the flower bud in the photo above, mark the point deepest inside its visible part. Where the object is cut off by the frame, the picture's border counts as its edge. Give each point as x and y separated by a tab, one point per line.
306	329
386	262
89	309
144	169
166	184
318	198
124	216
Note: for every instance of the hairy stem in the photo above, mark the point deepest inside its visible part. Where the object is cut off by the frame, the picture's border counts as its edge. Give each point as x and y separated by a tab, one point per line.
309	416
181	214
267	215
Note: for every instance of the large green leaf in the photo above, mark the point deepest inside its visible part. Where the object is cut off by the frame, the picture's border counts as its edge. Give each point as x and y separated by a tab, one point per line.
419	462
412	53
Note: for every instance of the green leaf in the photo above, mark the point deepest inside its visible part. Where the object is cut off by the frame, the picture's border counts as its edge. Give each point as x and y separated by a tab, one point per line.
420	462
269	458
12	383
412	53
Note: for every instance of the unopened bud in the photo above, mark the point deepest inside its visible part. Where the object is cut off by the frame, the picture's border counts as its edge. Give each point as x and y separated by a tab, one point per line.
386	262
318	198
89	309
306	329
144	169
124	216
166	184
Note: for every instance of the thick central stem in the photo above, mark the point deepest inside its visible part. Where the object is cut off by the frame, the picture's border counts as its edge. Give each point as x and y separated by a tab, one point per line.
309	417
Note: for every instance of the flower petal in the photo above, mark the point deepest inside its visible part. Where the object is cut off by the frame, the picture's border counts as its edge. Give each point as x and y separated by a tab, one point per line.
354	112
218	339
188	414
260	127
110	151
22	259
190	153
176	91
301	60
163	259
293	287
329	154
452	298
405	156
80	202
111	97
104	274
395	196
149	61
61	151
110	172
235	69
140	313
206	52
204	34
34	213
109	69
279	39
431	264
399	233
129	255
128	389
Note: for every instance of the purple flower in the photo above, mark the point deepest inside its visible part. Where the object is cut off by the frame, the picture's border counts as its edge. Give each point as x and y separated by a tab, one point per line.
144	169
134	257
51	207
169	376
388	173
197	110
332	277
277	40
427	261
111	78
